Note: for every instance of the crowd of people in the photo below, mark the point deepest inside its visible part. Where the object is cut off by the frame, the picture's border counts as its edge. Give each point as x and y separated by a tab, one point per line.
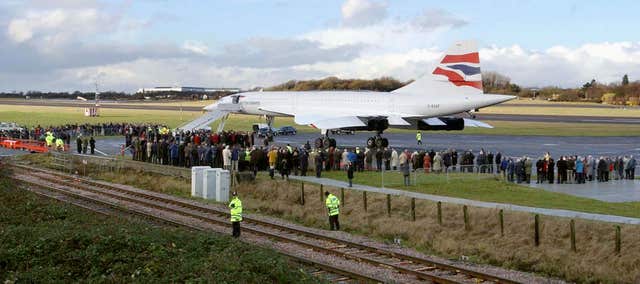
238	151
578	169
68	131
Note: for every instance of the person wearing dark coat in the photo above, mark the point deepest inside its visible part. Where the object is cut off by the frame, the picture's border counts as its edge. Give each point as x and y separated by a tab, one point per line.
540	170
519	169
379	155
350	173
318	161
304	162
92	145
79	145
602	169
490	163
498	161
295	161
550	173
284	168
387	159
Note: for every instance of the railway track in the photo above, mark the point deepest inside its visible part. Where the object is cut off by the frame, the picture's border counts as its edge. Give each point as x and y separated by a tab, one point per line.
324	271
420	269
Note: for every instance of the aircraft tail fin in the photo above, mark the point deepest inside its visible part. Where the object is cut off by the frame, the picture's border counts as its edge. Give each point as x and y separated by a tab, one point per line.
458	71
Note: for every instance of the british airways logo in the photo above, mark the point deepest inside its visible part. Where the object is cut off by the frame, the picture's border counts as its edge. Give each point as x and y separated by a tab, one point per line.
461	70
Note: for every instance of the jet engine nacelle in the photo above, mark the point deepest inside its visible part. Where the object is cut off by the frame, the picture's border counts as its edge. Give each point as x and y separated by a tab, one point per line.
452	123
377	124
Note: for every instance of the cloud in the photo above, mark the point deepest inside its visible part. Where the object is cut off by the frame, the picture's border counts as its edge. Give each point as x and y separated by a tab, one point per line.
130	76
431	20
357	13
564	66
391	33
75	34
270	53
196	47
58	26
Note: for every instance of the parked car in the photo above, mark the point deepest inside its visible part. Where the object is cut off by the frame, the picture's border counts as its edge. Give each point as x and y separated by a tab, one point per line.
286	130
262	132
10	126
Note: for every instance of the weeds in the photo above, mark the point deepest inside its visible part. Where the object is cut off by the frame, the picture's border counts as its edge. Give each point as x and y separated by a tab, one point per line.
44	242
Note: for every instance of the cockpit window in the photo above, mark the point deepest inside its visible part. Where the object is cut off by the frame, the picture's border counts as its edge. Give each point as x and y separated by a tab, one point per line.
235	99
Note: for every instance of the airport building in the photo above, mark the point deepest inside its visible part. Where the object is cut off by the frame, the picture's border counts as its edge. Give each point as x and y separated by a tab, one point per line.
179	89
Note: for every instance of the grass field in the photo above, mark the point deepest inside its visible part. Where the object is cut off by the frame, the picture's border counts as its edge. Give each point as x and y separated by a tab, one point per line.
491	189
42	241
594	262
34	115
542	110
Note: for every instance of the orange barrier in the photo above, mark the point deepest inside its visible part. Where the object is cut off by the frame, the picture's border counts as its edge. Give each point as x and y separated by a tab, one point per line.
27	145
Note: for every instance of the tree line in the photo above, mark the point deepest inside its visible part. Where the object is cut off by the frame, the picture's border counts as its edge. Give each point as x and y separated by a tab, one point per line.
383	84
623	92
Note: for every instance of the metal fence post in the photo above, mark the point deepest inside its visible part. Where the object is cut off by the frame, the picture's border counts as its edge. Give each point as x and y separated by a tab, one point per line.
440	213
572	226
388	205
413	209
536	230
302	193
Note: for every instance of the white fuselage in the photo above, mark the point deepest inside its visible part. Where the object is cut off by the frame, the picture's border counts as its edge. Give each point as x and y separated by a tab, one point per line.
350	103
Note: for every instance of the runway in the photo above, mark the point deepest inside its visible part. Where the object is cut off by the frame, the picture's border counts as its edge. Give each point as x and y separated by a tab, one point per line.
481	116
510	145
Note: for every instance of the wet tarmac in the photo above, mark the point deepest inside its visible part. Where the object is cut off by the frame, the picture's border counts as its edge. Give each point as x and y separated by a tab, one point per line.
611	191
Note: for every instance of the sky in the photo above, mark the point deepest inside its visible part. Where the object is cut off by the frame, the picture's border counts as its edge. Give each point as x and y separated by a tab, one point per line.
123	45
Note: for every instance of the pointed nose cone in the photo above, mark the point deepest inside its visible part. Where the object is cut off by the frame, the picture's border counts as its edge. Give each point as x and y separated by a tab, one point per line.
211	107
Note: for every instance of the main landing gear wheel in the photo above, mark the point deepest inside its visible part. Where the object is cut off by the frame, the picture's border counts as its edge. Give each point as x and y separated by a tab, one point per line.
325	142
371	142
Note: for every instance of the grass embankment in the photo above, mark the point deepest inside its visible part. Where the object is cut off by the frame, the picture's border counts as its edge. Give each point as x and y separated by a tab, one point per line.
45	116
34	115
491	189
594	262
573	111
42	241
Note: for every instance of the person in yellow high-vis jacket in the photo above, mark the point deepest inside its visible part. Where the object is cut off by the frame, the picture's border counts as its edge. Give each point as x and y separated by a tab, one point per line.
333	206
59	144
49	139
235	208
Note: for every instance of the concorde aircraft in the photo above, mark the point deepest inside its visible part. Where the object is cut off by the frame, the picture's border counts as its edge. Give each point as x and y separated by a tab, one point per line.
432	102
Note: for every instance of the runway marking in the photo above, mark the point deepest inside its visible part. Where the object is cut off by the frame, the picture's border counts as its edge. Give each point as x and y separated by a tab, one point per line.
103	153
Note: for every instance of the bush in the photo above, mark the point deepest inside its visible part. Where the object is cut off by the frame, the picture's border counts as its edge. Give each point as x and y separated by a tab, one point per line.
568	97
